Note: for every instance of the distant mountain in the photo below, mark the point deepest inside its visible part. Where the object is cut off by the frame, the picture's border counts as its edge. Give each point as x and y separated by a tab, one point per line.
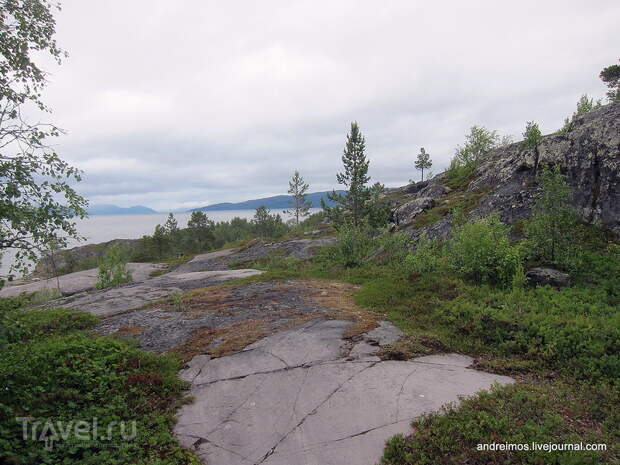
106	209
277	202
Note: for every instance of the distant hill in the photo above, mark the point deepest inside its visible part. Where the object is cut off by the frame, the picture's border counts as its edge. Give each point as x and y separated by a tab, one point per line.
106	209
277	202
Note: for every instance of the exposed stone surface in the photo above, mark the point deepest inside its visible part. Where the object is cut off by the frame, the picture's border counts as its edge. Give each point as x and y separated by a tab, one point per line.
282	372
114	300
79	281
65	258
297	248
204	270
270	305
588	154
299	397
412	209
541	276
207	261
121	299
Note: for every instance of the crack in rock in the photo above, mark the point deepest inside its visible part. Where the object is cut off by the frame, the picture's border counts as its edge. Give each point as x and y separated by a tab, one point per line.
328	410
313	411
402	388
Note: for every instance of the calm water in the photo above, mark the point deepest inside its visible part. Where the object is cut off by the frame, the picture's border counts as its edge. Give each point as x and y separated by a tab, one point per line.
103	228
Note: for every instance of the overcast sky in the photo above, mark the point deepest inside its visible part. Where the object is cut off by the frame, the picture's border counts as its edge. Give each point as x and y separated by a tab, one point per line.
180	104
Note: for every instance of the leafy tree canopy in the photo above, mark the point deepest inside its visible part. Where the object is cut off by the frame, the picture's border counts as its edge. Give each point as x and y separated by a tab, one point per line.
532	136
37	202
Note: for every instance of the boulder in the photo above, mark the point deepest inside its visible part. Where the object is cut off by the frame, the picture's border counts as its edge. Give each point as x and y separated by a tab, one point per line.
406	213
541	276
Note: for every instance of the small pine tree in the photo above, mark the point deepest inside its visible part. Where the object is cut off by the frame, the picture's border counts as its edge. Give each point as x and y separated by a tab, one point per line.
171	226
423	161
299	205
351	205
611	77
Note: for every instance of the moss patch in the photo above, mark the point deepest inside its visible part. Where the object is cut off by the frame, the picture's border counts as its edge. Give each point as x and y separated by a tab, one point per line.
454	200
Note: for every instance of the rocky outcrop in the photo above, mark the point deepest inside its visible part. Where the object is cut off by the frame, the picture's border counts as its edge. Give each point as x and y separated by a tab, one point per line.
302	396
74	283
505	180
220	260
74	259
547	276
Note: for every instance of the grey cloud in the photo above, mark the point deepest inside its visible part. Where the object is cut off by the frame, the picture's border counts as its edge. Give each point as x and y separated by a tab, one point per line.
178	103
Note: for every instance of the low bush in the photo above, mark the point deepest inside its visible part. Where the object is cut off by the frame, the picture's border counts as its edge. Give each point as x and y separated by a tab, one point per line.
551	413
113	269
573	331
428	256
20	325
353	246
481	251
395	247
52	372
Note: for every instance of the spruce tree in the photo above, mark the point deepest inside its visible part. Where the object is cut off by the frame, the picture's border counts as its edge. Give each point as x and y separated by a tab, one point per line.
299	205
423	161
352	205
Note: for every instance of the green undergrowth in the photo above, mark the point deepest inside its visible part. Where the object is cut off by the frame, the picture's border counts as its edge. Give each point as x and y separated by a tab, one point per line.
456	200
520	414
60	377
562	345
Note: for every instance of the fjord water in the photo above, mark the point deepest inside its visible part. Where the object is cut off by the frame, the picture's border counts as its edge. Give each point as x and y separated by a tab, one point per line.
103	228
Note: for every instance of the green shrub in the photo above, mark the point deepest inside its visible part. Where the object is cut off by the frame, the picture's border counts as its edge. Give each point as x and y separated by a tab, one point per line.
551	232
30	324
44	295
352	247
395	247
76	377
481	252
8	304
517	414
574	331
459	174
113	269
428	256
585	105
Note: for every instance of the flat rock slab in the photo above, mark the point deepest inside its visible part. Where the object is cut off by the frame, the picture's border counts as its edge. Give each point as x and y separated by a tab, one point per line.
302	396
80	281
166	326
198	279
206	262
220	260
120	299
